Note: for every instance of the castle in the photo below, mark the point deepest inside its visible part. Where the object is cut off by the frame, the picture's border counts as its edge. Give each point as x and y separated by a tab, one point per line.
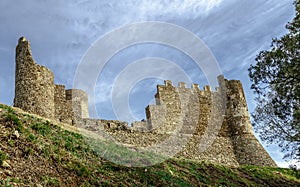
213	125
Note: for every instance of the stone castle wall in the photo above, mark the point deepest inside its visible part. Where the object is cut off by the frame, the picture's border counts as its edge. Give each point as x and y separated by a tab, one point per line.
63	107
193	123
35	91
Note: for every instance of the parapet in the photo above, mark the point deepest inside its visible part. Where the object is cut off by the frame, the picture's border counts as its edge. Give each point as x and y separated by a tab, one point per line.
168	83
140	126
207	88
181	85
195	86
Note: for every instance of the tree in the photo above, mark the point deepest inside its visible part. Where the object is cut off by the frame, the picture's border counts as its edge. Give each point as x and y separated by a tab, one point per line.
276	82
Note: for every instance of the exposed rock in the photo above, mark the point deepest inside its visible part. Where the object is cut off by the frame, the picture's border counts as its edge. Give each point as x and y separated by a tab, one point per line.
16	134
8	172
5	164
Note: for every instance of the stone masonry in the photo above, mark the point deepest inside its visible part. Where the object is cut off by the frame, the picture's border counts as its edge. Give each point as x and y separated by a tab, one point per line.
35	91
198	124
34	86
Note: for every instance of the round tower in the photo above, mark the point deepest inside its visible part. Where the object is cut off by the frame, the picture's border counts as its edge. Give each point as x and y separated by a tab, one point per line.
79	101
247	148
34	84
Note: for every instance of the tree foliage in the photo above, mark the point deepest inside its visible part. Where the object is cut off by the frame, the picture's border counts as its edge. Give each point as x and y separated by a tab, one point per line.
276	81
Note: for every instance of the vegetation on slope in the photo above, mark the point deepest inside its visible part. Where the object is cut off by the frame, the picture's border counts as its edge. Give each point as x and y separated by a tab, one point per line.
34	151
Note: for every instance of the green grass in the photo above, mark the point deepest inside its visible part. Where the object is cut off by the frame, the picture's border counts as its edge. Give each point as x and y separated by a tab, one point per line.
56	157
50	181
42	129
13	118
11	143
3	157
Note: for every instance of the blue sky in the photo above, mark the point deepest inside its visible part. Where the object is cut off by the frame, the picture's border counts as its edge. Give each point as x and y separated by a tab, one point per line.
61	32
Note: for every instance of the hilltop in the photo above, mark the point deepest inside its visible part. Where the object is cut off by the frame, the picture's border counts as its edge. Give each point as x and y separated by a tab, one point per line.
37	151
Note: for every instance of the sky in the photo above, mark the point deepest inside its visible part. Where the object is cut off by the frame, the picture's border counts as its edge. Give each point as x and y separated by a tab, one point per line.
62	33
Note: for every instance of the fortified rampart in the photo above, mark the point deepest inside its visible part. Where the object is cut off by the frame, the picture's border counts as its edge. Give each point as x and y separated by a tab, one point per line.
35	91
197	124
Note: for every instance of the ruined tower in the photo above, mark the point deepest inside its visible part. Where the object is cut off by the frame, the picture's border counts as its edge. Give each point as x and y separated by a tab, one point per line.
35	91
34	84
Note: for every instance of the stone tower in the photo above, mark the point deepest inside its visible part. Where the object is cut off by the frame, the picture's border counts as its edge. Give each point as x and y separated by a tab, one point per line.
35	91
79	100
223	113
34	84
247	148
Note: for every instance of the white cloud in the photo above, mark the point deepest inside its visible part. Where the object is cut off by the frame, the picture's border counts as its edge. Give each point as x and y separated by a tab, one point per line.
286	164
171	8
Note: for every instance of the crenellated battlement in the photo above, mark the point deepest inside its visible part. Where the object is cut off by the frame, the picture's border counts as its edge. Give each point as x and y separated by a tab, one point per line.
216	122
182	85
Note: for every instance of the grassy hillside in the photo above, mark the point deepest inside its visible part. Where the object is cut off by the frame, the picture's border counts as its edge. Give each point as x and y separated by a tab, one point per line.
36	152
